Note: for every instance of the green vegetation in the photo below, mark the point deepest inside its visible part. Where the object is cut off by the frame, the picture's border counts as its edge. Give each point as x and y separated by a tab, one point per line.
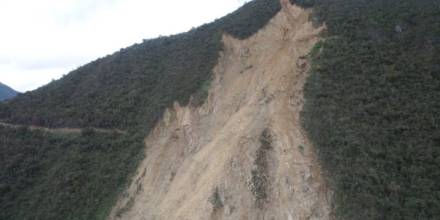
216	200
301	149
132	87
52	176
60	176
372	110
316	49
372	106
202	93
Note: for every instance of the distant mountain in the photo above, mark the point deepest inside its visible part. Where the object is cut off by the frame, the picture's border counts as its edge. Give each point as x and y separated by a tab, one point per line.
6	92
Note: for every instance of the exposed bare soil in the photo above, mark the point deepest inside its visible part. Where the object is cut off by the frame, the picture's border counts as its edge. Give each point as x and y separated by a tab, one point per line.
243	153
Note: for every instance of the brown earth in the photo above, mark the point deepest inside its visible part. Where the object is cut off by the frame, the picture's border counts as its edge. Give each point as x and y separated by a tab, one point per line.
243	153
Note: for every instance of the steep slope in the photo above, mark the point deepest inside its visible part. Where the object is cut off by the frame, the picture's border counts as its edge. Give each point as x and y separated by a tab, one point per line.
78	175
62	175
243	153
132	87
372	106
6	92
221	111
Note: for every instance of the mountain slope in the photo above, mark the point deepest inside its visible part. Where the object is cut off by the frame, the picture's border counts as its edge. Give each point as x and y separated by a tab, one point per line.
254	116
60	175
372	106
6	92
129	90
243	153
132	87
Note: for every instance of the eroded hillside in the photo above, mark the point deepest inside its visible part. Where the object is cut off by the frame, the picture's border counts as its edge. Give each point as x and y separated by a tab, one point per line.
243	153
371	103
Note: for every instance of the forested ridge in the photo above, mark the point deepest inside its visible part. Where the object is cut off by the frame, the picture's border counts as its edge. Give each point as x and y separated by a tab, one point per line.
373	103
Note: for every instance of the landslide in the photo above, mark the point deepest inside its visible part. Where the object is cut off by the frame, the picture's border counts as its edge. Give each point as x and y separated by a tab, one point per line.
242	154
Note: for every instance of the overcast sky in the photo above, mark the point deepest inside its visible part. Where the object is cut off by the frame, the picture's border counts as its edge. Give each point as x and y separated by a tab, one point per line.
41	40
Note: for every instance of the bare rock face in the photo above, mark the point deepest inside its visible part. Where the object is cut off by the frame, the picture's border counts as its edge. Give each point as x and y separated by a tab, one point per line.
243	153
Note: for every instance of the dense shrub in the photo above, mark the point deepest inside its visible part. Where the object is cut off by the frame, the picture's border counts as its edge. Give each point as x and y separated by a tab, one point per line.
62	176
132	87
372	106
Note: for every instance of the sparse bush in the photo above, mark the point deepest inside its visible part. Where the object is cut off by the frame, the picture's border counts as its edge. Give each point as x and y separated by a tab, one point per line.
260	179
131	88
301	149
216	200
316	49
203	92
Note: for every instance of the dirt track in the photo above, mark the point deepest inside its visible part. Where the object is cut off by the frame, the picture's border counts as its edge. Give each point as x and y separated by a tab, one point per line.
62	130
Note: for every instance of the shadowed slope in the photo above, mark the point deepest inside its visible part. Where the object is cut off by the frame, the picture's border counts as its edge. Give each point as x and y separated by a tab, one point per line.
6	92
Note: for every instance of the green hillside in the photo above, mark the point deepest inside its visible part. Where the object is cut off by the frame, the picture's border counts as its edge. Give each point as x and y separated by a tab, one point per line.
132	87
62	176
373	104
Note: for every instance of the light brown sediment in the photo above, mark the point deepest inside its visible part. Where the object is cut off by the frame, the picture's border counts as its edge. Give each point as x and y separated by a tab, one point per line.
209	162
